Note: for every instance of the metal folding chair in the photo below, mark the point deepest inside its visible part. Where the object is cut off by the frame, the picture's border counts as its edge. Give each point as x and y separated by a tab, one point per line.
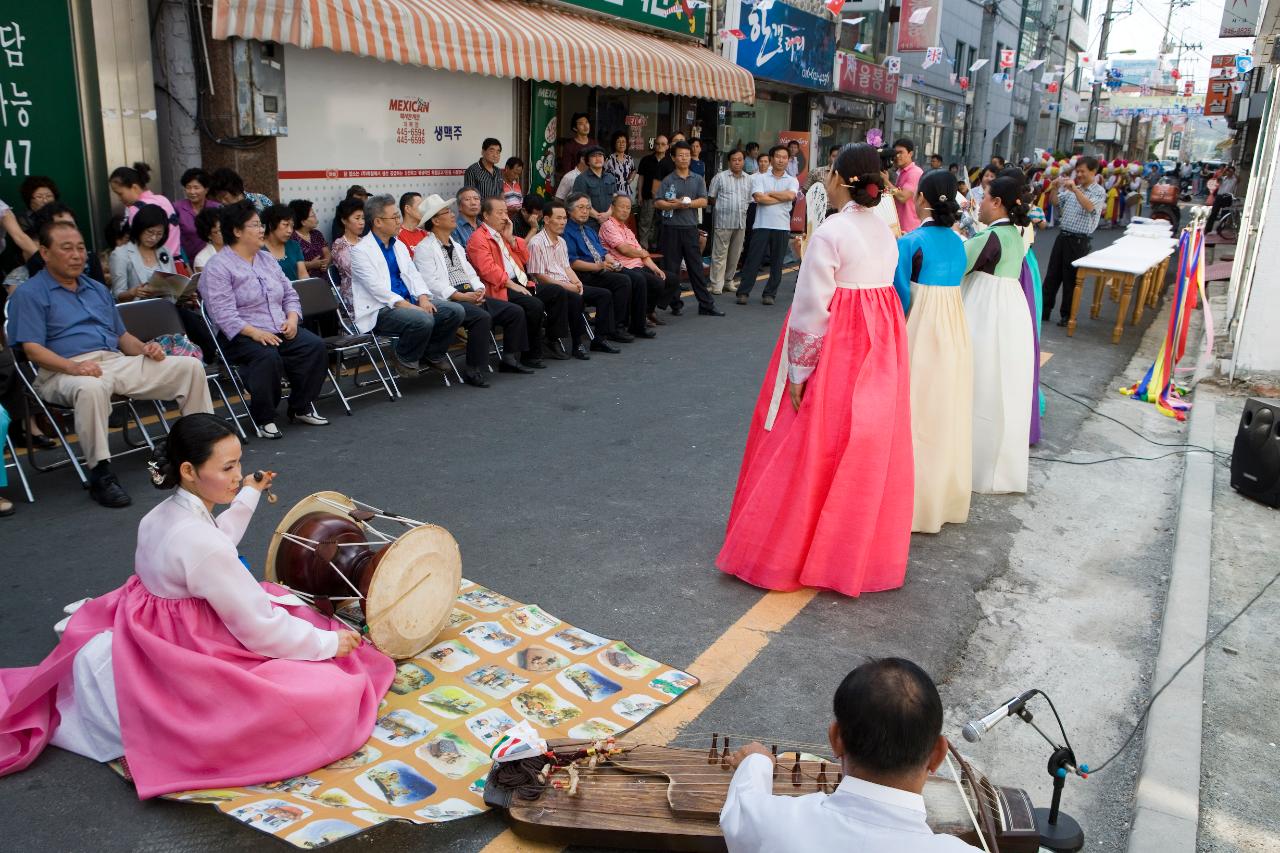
318	299
148	319
228	369
16	464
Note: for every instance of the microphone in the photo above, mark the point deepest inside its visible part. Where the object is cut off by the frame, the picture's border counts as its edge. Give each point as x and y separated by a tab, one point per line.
975	729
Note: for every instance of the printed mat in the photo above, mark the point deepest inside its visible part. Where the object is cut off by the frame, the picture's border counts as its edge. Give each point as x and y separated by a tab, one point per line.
497	662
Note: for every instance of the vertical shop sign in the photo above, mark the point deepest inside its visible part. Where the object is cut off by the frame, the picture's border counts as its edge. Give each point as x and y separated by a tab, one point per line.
542	138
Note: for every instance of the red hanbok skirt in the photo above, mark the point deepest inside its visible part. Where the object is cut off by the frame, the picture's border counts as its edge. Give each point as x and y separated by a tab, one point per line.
825	498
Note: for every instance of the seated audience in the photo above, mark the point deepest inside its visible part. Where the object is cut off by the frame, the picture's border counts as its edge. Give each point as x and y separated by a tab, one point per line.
257	312
447	272
195	187
512	191
210	233
390	298
228	188
500	258
350	219
469	204
637	262
68	326
354	191
135	262
315	249
887	736
59	212
591	261
549	265
412	228
277	221
527	221
130	186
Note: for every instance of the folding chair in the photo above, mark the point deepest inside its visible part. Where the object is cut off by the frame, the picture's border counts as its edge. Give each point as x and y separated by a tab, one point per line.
229	370
148	319
318	299
16	464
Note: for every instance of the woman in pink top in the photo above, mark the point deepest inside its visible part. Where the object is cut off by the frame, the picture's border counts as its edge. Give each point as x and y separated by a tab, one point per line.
130	186
196	673
636	261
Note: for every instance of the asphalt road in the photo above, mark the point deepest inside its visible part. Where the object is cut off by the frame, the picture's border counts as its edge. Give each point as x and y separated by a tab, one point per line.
597	490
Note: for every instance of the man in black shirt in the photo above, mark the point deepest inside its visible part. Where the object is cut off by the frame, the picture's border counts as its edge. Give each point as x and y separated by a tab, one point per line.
651	174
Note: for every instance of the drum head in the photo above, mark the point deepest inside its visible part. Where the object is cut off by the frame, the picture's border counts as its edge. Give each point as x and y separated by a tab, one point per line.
309	504
412	591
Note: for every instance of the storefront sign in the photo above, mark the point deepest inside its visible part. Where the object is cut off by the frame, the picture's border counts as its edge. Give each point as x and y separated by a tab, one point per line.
919	25
783	43
866	79
687	17
847	108
1240	19
635	131
1217	97
542	139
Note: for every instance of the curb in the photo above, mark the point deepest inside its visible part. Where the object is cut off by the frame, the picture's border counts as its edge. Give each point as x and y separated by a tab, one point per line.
1167	794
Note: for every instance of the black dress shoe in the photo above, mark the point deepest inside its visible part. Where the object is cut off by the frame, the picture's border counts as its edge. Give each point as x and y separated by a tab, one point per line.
710	312
556	350
535	363
655	320
645	333
621	336
676	309
580	353
473	377
514	366
1062	322
601	345
106	490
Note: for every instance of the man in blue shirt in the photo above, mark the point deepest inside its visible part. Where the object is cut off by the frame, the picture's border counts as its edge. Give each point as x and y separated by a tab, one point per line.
68	326
590	260
468	214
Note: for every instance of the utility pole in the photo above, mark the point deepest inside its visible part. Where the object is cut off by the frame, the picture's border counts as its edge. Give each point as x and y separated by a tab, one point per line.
975	149
1097	84
1047	30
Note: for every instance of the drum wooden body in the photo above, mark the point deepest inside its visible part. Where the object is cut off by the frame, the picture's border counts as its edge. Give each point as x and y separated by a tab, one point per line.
326	549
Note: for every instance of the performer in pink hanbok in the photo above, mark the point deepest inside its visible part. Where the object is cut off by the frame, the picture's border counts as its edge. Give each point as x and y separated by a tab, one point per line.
194	672
824	496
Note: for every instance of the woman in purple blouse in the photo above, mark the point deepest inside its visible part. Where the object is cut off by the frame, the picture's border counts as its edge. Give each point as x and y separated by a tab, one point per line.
195	186
257	311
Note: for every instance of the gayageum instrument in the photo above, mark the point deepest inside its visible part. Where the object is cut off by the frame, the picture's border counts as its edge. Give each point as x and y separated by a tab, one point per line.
653	797
396	588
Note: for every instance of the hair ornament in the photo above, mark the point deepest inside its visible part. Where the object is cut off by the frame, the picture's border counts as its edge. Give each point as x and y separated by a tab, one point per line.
157	476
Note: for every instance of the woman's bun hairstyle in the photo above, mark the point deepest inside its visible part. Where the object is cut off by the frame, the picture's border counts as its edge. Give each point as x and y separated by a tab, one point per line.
1012	172
1016	197
191	439
858	165
939	189
138	176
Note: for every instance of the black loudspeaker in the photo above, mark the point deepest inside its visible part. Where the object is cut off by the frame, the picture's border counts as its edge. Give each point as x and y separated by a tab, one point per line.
1255	458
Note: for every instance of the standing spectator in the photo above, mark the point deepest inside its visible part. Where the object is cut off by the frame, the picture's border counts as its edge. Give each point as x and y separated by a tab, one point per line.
997	162
619	163
484	176
696	163
762	168
350	218
412	230
133	263
68	325
512	190
680	195
935	161
795	159
581	126
590	260
37	191
195	188
278	223
355	191
636	262
904	186
527	221
571	177
130	186
751	163
227	187
1079	200
390	298
469	207
315	249
598	185
210	233
257	311
774	193
730	192
650	171
549	265
820	174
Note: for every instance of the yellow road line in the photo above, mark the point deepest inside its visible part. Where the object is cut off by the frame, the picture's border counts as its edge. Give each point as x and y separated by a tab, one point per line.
717	667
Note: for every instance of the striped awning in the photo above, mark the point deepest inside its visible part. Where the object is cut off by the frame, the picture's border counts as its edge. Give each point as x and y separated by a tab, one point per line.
496	38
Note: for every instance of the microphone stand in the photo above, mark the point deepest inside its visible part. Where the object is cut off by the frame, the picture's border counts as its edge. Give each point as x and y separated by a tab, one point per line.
1058	831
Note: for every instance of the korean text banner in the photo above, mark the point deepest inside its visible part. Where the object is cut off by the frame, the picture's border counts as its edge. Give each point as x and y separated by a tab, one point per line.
782	43
919	25
686	17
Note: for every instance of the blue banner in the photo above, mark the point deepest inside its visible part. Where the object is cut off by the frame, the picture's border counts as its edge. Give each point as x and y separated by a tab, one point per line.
785	44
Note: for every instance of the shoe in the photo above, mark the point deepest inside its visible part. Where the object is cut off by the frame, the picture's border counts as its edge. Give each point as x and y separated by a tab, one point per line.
731	288
270	431
601	345
407	369
441	365
557	350
1062	322
655	320
716	290
473	377
535	363
645	333
107	491
580	353
742	299
6	507
766	300
710	312
39	441
621	336
676	309
308	418
510	365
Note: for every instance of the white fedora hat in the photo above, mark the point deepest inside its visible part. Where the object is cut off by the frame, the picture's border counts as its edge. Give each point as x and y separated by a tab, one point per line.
431	205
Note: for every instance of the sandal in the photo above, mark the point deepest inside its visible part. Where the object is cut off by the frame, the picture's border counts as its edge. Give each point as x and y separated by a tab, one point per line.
6	507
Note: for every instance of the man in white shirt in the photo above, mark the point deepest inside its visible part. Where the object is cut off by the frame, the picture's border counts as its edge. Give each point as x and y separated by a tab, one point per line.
570	178
887	736
774	193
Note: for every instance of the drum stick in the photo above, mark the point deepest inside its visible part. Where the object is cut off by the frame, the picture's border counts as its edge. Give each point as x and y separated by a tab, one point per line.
260	476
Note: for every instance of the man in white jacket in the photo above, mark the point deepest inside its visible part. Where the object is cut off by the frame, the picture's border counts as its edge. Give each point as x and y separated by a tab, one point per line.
887	736
390	298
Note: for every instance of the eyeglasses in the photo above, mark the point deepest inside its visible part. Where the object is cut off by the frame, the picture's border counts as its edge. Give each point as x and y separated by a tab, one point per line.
254	224
396	216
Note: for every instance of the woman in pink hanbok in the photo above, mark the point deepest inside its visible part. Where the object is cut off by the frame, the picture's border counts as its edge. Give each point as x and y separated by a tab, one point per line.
824	497
195	673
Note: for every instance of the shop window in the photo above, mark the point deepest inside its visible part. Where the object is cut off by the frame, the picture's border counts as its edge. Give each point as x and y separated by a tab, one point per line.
761	122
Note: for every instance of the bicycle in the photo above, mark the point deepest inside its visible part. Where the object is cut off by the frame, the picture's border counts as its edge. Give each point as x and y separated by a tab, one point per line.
1228	225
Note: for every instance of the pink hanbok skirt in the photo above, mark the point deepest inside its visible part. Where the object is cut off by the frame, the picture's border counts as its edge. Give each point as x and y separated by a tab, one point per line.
824	499
198	709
